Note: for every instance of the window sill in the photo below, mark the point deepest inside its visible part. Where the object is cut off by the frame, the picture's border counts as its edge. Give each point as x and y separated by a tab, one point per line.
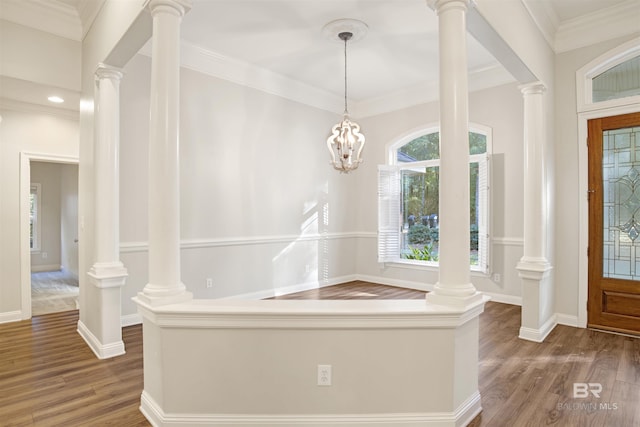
430	266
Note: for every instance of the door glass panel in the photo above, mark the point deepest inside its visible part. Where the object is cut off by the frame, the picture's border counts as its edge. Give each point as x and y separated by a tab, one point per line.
621	203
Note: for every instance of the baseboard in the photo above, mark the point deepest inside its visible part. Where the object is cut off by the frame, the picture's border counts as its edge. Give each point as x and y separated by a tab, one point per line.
102	351
567	320
461	417
130	320
45	267
425	287
10	316
538	335
504	299
270	293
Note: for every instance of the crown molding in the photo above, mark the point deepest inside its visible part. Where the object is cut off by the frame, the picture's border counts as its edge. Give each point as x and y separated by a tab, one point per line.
87	11
606	24
50	16
545	19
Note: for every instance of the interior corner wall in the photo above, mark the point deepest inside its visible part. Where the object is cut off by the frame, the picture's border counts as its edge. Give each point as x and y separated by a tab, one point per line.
567	214
69	219
500	108
48	258
35	133
261	207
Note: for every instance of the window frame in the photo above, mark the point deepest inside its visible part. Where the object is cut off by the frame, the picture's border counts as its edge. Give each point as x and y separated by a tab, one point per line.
393	166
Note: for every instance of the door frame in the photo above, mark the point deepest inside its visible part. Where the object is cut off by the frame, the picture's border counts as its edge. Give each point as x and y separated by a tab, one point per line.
25	251
588	110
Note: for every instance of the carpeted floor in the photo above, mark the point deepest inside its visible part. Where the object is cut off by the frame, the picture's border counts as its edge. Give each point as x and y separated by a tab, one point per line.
52	292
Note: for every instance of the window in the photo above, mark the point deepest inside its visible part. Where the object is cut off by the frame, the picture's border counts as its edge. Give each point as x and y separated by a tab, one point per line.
620	81
408	199
34	217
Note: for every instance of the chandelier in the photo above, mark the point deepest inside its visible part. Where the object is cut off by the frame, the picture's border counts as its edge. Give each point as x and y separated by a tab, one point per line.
346	142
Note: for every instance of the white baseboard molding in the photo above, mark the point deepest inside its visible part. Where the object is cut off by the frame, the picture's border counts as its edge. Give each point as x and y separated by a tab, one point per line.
270	293
11	316
461	417
425	287
538	335
567	320
504	299
45	267
130	320
102	351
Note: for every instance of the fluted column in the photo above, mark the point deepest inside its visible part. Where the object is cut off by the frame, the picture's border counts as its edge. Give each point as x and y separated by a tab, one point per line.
107	273
454	283
165	285
534	268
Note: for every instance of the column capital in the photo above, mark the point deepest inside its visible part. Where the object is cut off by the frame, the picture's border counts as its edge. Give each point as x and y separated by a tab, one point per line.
533	88
175	7
444	5
104	71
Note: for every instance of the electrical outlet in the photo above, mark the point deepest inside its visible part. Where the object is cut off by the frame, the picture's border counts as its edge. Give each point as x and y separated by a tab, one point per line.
209	282
496	277
44	255
324	375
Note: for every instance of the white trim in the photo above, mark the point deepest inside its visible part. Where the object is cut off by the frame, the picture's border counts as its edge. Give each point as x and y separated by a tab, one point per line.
407	284
54	17
508	241
25	189
538	335
11	316
567	320
613	22
466	412
131	247
585	75
100	350
504	298
45	267
130	320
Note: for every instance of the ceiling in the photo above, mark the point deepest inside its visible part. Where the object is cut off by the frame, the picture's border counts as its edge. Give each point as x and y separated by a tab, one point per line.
284	38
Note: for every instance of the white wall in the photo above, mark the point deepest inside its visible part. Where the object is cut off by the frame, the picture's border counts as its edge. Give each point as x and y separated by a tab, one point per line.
36	56
36	133
48	176
69	218
567	187
500	108
262	208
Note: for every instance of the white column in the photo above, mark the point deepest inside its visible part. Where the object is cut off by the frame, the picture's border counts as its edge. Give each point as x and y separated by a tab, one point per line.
107	273
534	268
165	285
454	283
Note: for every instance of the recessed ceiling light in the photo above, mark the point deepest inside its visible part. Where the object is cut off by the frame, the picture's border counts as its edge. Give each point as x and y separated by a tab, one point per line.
56	99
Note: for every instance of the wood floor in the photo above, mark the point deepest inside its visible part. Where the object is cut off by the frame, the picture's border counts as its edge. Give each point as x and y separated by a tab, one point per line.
49	377
53	291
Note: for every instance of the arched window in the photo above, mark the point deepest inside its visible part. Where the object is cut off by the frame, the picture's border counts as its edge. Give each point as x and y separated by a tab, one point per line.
408	199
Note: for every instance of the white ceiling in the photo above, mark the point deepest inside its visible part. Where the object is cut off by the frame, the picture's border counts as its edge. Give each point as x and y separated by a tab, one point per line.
284	37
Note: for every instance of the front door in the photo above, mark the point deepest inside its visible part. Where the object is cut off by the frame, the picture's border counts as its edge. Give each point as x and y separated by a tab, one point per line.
614	223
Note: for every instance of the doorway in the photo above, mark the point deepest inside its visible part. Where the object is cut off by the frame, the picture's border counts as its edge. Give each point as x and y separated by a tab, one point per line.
53	237
614	223
48	245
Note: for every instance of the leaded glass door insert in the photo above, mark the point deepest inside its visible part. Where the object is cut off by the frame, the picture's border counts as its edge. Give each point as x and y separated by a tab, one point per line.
614	223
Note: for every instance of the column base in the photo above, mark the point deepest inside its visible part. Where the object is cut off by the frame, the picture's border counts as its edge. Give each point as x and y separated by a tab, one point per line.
458	298
538	317
154	295
108	274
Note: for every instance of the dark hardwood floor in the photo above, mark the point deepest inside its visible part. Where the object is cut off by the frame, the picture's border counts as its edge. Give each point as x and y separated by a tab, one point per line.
49	377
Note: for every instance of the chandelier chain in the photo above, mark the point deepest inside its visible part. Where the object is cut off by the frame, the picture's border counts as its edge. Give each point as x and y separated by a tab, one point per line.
346	111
